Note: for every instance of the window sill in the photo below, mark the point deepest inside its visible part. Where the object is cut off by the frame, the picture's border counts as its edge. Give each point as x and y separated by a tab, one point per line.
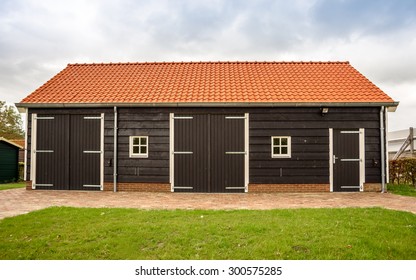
282	156
139	156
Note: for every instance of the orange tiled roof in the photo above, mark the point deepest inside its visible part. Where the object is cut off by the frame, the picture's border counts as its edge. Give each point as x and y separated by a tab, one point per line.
208	82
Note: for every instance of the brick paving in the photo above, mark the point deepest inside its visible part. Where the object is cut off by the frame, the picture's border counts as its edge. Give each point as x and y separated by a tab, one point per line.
19	201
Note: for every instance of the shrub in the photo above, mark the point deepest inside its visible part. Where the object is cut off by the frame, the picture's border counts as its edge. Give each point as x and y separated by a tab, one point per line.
403	171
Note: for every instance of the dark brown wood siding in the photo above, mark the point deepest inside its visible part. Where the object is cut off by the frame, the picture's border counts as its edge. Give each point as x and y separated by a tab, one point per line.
153	123
309	131
306	126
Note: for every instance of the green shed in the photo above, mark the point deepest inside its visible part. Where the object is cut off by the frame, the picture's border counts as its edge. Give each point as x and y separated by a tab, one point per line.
9	161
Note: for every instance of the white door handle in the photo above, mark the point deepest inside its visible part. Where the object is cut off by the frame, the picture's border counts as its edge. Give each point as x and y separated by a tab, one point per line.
334	158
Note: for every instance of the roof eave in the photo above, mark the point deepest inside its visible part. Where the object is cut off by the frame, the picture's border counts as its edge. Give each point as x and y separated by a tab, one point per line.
391	105
11	143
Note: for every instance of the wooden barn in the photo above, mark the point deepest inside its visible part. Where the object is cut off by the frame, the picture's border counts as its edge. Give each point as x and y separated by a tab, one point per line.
207	127
9	161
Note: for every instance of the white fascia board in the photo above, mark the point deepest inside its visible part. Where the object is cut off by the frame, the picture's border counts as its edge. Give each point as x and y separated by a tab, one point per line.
390	105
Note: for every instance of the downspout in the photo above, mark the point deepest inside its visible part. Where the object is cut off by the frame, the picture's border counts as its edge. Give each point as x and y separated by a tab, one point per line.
115	150
383	147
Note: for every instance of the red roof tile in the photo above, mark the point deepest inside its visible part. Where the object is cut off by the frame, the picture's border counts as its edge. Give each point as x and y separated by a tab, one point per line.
208	82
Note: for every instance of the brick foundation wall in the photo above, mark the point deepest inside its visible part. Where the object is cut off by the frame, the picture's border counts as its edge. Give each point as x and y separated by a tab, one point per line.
108	186
137	187
28	185
252	188
372	187
269	188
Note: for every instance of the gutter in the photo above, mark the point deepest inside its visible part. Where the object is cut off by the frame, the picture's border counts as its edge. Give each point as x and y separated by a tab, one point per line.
115	150
391	105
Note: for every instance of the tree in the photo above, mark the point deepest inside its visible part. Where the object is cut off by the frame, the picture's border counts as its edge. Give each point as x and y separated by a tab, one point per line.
10	122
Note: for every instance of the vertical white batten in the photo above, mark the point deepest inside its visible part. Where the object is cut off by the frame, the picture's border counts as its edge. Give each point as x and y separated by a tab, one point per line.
33	151
247	154
102	152
115	151
362	158
171	150
26	130
331	161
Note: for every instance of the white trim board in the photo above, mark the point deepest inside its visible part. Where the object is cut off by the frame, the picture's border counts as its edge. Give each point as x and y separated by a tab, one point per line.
362	158
32	151
102	153
246	148
331	164
171	150
26	131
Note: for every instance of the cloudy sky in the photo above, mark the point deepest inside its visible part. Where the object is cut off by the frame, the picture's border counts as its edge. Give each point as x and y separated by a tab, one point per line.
39	38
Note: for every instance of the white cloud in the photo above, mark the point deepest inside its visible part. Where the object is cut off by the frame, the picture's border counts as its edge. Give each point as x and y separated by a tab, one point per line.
38	38
405	115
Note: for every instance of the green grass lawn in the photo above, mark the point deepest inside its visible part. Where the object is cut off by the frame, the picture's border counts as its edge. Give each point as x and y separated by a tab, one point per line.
406	190
12	186
106	233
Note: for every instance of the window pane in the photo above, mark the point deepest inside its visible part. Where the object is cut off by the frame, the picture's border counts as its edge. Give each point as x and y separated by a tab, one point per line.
276	151
143	141
276	141
136	150
284	150
136	141
143	149
284	141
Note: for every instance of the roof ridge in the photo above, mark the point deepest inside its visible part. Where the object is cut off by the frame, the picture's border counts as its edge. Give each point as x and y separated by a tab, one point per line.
206	62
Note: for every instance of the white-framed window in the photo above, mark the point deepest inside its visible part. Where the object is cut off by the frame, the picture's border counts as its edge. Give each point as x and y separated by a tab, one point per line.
139	146
281	147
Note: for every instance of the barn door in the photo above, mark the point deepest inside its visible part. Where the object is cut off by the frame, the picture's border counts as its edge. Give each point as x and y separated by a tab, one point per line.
85	152
190	153
227	153
209	153
348	160
67	152
49	151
